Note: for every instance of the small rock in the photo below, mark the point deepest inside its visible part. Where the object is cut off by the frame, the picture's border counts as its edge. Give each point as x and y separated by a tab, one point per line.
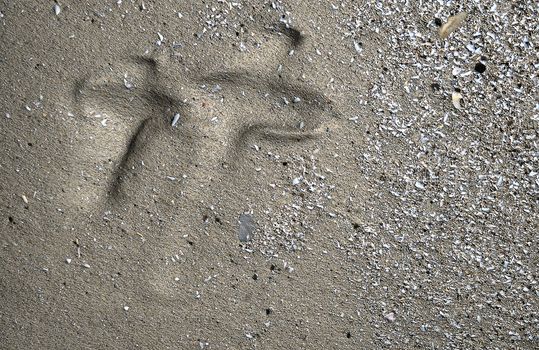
128	85
57	9
480	67
390	316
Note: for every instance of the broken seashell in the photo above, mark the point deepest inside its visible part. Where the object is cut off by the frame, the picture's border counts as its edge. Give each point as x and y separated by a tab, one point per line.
452	24
455	98
175	119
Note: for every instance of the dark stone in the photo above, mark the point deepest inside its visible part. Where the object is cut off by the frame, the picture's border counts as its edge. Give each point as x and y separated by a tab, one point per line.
480	67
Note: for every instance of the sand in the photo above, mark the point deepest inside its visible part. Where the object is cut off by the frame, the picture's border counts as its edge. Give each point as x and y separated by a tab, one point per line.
268	175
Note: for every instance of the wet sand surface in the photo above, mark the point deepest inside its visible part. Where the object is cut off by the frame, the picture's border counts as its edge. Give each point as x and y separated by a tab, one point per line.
268	175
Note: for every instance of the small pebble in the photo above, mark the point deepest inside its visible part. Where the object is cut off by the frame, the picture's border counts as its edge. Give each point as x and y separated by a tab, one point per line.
390	316
128	85
480	67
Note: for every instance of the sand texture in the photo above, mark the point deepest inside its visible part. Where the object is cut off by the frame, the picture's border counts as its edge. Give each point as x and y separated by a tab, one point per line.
269	174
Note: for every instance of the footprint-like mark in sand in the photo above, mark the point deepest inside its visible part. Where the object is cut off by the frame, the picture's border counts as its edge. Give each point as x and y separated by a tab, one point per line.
131	111
128	113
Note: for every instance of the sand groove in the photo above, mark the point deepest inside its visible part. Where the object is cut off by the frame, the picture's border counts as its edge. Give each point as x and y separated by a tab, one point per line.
140	106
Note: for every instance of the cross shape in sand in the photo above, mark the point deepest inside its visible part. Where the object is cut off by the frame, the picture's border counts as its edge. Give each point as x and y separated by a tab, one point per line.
212	116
